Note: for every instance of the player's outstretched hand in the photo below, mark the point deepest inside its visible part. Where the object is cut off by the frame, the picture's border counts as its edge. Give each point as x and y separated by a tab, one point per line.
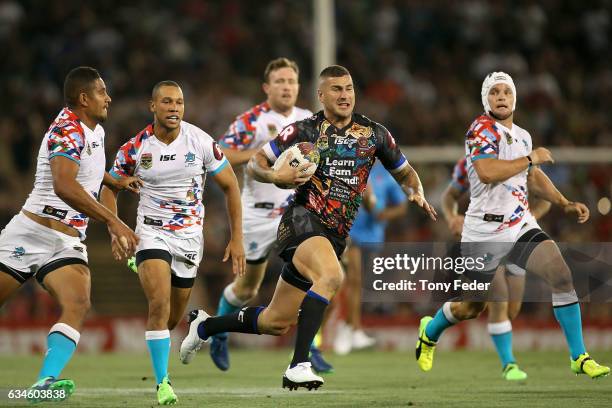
421	202
581	211
289	177
235	250
123	240
541	155
132	184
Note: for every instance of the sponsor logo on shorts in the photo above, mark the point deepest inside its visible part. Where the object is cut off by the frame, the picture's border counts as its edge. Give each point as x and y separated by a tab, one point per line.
153	221
283	232
191	256
78	248
253	246
146	161
61	214
18	253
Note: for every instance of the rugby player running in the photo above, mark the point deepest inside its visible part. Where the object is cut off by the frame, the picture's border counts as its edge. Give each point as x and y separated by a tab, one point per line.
313	230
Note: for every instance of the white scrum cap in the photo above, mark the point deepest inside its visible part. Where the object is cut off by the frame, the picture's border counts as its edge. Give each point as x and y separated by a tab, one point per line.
491	80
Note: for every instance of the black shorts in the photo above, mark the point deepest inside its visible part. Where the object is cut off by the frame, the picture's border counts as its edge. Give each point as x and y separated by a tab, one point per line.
297	225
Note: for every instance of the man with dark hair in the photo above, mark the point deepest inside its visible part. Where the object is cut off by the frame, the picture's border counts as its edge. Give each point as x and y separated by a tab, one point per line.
313	230
79	80
263	203
172	158
44	239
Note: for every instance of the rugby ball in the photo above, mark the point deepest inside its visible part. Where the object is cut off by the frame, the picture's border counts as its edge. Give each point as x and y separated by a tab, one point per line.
301	153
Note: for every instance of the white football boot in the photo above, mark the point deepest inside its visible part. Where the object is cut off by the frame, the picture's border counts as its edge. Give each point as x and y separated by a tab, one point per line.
343	343
301	376
192	342
361	340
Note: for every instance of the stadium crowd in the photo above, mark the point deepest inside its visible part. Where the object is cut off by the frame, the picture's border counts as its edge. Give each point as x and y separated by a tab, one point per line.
418	66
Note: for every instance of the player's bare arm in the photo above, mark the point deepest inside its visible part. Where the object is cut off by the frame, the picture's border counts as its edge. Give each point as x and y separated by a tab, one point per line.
238	157
538	207
409	181
492	170
540	185
72	193
132	184
108	198
260	169
226	179
450	209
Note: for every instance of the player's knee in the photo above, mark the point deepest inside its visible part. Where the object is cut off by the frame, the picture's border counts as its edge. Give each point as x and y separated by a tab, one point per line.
245	294
469	310
561	278
332	280
79	304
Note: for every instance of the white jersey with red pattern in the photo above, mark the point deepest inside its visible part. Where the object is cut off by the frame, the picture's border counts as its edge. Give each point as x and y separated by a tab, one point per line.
503	202
173	177
460	181
68	137
251	130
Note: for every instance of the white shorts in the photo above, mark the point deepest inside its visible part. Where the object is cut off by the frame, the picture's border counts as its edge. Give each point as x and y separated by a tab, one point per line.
29	249
259	232
183	254
495	246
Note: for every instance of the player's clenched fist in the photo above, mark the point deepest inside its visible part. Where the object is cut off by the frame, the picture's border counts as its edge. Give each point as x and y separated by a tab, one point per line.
541	155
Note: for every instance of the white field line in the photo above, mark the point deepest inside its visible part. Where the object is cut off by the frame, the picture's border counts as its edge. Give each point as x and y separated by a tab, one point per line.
237	392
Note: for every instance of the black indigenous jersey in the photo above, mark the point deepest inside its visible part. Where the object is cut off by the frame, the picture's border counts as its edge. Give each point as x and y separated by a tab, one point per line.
334	192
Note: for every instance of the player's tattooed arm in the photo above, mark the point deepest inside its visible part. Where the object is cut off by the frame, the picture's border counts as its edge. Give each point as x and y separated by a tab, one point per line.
260	169
410	182
541	186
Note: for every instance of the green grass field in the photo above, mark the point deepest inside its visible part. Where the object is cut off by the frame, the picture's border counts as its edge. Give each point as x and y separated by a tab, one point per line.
365	379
